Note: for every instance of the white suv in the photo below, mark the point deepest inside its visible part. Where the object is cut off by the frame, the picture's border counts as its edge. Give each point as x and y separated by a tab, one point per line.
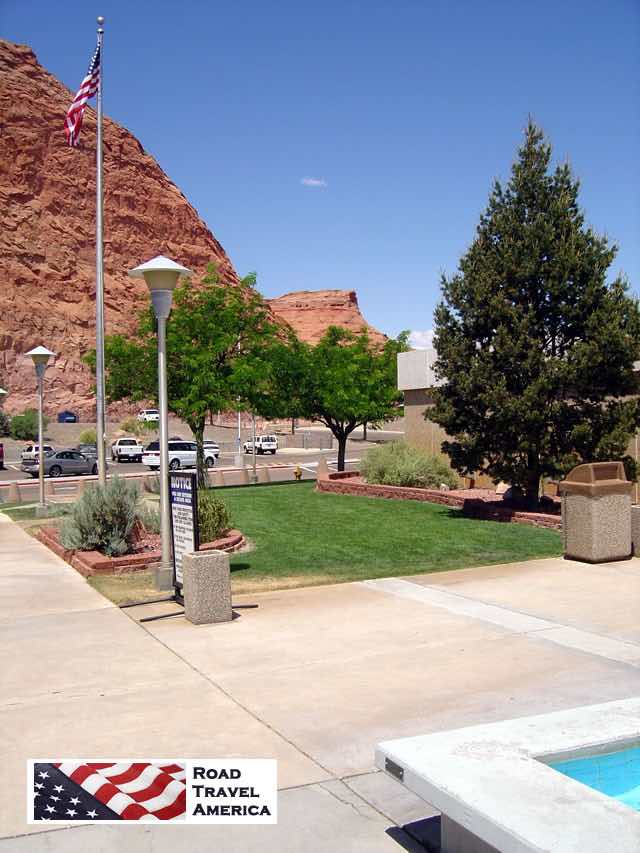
30	453
182	454
264	444
149	416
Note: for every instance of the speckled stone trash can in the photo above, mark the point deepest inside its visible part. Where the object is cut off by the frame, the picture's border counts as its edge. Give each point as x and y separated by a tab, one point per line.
206	587
596	513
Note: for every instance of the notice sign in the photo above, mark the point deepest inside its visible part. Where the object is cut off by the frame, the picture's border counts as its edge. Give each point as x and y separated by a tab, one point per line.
242	790
183	500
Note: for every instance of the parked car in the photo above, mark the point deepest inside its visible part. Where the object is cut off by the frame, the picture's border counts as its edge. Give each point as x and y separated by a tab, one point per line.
126	448
31	452
264	444
149	415
211	447
67	417
87	449
182	454
59	462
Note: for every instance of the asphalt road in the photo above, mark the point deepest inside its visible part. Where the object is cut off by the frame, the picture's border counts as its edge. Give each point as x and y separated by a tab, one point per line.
12	470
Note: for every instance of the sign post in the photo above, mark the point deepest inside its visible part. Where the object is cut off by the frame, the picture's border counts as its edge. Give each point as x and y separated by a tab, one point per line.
183	502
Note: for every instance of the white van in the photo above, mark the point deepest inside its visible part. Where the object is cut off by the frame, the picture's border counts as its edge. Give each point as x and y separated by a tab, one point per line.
264	444
182	454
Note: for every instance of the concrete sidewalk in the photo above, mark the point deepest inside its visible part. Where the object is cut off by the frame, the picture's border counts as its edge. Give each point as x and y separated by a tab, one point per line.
315	677
80	678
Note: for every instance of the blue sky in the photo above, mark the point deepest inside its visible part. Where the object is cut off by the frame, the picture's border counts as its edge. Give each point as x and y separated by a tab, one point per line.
405	110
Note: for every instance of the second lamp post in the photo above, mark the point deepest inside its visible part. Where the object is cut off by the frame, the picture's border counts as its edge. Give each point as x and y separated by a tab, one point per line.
40	357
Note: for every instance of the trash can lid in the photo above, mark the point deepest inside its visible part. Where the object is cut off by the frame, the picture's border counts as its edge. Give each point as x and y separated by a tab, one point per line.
596	478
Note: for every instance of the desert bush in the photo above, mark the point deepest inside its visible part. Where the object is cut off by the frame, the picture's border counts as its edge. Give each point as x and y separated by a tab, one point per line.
149	516
88	436
5	423
213	517
25	426
102	520
399	464
135	427
152	483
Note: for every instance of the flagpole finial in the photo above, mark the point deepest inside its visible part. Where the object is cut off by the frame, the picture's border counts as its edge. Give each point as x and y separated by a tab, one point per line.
100	20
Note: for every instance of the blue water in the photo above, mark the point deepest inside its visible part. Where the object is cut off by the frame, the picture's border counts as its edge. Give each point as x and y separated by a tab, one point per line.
616	774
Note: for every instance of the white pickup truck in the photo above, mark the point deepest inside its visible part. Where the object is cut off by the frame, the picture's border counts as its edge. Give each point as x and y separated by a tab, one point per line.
126	448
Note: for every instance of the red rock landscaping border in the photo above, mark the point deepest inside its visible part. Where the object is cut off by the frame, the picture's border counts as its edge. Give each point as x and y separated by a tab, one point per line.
474	503
94	563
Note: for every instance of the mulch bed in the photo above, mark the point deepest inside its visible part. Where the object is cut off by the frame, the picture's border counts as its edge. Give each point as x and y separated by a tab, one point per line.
144	553
474	503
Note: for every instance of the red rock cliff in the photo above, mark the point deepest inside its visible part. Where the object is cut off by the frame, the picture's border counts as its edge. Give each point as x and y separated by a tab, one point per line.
47	240
311	312
47	233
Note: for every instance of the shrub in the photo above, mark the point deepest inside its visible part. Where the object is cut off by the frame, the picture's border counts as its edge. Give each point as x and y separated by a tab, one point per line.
25	426
88	436
149	516
213	517
152	483
400	464
135	427
102	520
5	423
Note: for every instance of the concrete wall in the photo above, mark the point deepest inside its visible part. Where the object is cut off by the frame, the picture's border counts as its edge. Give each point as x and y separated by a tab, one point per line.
419	432
425	433
415	369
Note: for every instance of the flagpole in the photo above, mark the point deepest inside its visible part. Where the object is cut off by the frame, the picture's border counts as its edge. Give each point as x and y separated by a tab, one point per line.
101	425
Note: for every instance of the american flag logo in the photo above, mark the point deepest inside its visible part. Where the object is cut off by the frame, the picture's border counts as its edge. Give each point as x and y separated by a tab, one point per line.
94	791
88	88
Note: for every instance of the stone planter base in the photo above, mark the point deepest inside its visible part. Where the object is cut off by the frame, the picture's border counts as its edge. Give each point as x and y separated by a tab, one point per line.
94	563
474	503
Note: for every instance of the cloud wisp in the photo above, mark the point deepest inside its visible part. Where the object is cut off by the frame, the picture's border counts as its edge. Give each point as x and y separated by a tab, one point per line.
314	182
421	340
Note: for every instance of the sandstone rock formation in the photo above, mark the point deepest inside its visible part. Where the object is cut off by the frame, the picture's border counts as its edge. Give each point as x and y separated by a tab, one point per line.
311	312
47	233
47	240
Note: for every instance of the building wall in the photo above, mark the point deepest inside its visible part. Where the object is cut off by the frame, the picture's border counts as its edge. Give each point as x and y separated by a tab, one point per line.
418	431
415	376
426	434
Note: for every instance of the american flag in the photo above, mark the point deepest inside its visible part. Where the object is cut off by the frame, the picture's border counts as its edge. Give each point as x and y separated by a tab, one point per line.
72	790
88	88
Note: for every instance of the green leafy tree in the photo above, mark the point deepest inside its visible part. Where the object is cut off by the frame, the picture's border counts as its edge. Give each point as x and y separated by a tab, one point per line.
273	379
535	348
211	329
25	426
88	436
350	381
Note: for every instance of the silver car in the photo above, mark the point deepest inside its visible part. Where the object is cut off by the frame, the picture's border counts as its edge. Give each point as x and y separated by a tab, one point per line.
61	462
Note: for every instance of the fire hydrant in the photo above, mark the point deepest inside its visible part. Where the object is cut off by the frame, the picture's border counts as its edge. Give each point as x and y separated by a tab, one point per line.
297	472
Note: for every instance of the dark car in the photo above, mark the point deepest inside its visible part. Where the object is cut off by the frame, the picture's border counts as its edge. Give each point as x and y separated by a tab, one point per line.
87	449
67	417
60	462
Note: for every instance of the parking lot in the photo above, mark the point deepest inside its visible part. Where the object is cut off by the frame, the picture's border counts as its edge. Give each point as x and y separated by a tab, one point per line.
308	445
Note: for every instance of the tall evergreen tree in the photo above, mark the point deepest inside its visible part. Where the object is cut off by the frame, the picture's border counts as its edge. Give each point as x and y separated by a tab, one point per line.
535	348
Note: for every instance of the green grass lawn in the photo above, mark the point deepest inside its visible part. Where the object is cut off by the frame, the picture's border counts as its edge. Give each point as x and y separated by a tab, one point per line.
300	537
303	537
19	513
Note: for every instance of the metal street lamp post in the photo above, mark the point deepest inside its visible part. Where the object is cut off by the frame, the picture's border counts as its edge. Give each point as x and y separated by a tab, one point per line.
3	394
254	477
161	276
40	357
